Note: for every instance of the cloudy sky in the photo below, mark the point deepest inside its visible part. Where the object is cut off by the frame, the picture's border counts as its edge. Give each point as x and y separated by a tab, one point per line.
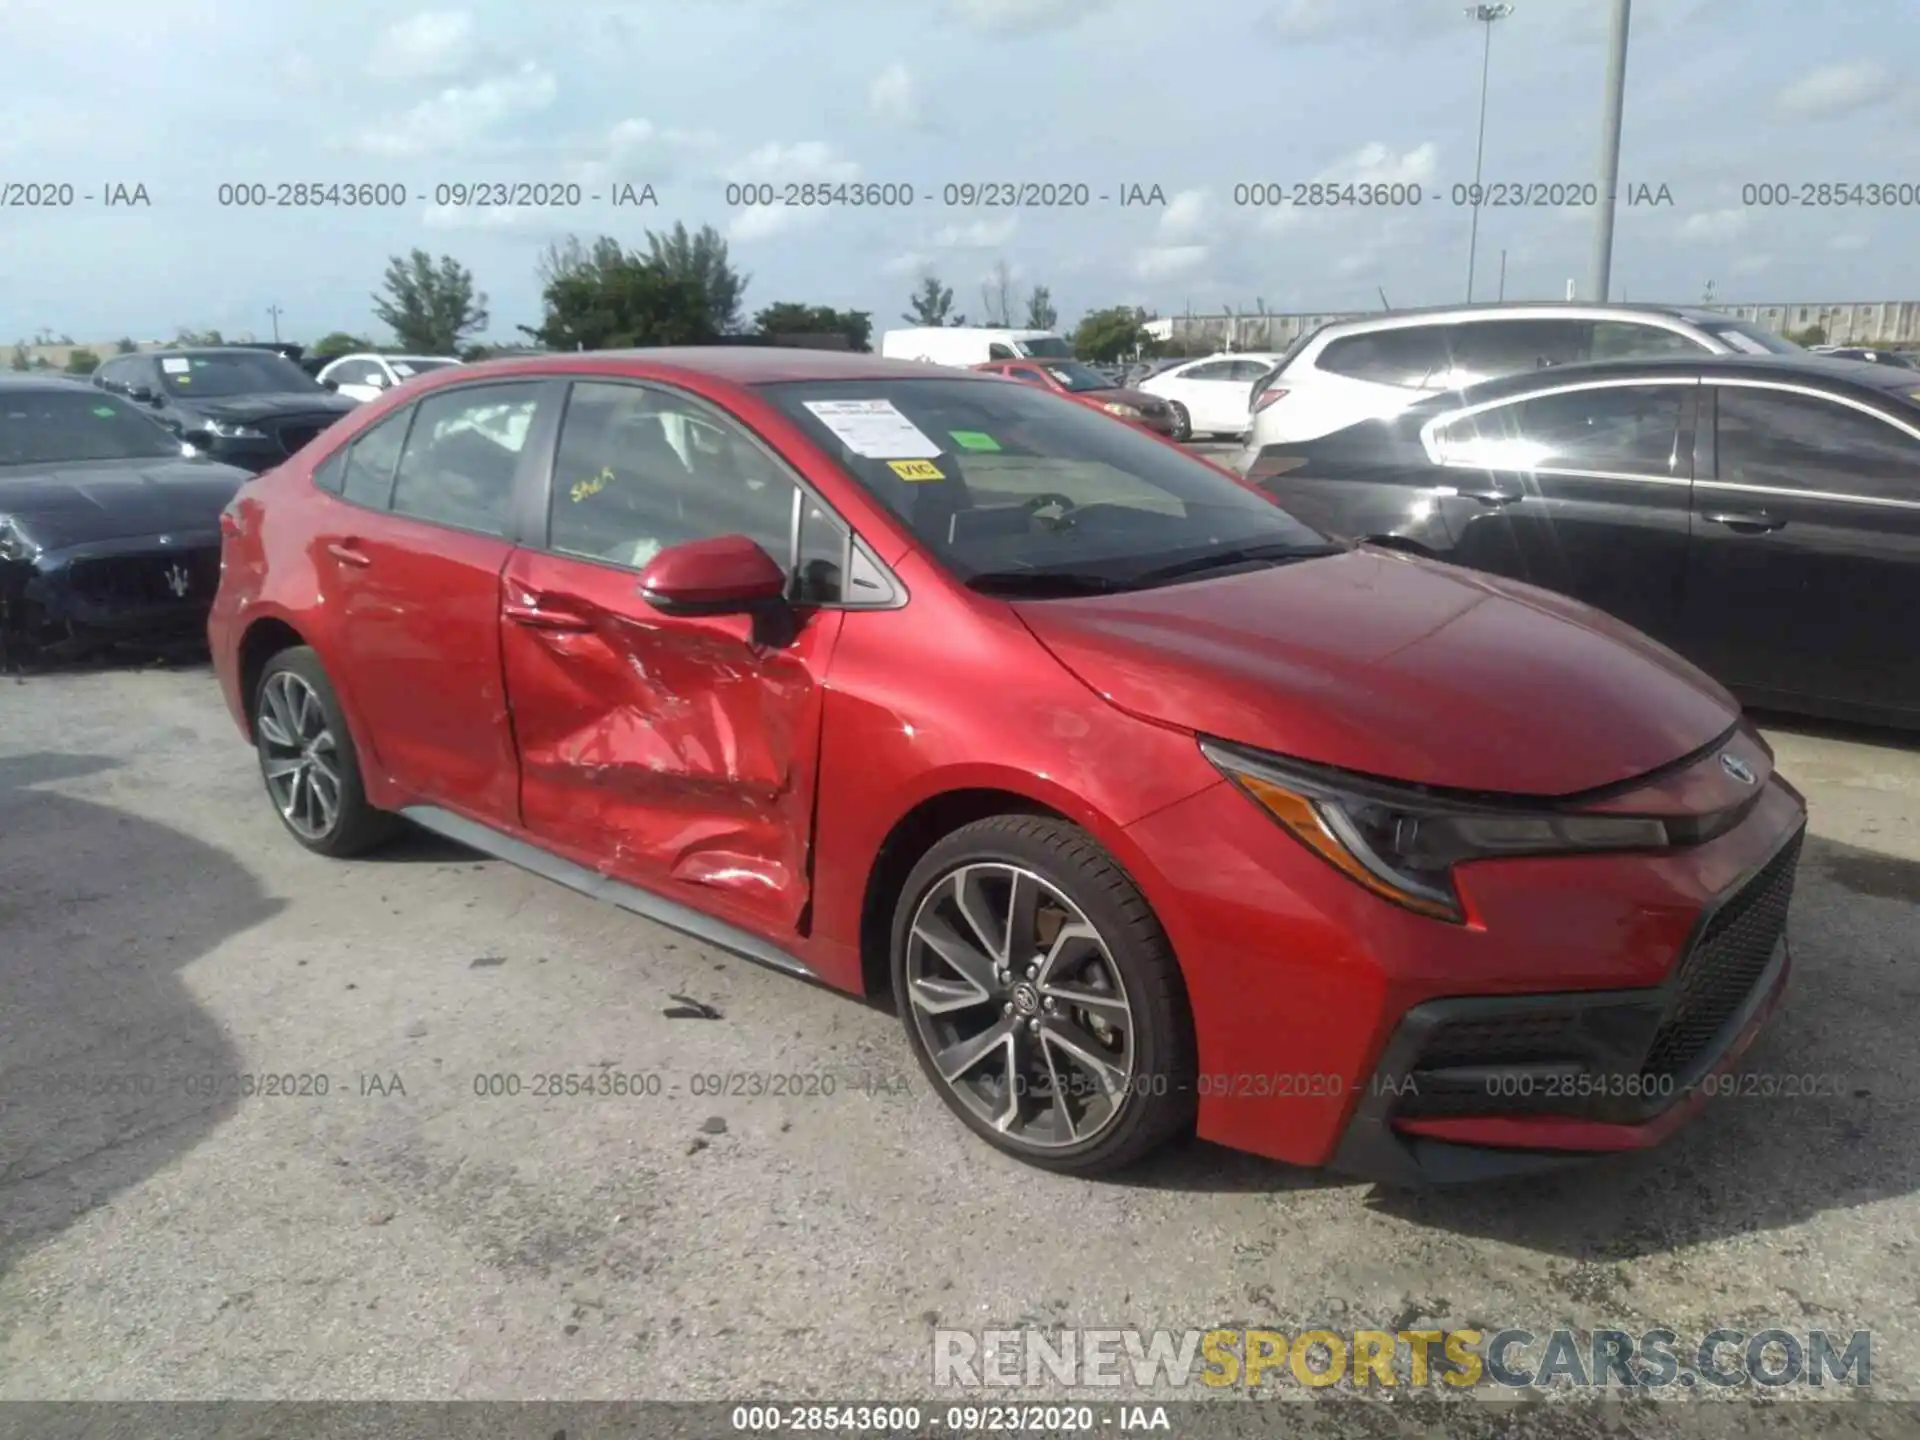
1193	96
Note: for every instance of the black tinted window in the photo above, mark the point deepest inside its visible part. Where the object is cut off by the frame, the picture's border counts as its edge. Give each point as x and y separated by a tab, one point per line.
462	454
1489	348
642	469
1631	430
1618	339
367	472
1799	442
1406	356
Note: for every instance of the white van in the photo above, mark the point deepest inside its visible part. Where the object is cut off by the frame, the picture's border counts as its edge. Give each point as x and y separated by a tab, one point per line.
963	345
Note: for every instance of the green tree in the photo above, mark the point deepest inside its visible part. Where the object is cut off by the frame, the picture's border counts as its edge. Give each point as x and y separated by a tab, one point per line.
82	362
702	258
1812	335
931	304
617	302
124	345
21	360
573	255
1107	335
338	343
996	296
185	336
790	318
1040	312
430	308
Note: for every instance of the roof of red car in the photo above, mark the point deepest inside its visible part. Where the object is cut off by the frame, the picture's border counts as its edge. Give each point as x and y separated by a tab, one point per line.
741	364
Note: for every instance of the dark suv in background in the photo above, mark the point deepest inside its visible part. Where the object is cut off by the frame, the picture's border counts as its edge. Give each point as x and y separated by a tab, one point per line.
241	405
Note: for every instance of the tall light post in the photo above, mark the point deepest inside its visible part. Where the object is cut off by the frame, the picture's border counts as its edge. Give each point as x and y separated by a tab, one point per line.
1485	16
1615	100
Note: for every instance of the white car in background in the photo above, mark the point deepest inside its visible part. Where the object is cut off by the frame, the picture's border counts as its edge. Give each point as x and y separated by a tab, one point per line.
362	377
1209	396
1374	366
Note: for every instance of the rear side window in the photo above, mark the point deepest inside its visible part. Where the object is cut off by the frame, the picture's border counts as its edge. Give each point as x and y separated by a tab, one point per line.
1486	349
367	473
462	454
1409	356
331	473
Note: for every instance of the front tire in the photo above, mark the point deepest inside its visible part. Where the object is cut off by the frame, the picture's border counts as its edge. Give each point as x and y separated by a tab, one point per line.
1182	422
1041	996
308	761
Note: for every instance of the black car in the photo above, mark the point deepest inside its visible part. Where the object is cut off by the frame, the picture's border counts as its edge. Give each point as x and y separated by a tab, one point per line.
245	406
108	530
1897	358
1759	514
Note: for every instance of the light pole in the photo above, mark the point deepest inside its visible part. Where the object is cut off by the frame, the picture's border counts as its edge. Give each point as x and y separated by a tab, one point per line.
1484	15
1616	98
274	312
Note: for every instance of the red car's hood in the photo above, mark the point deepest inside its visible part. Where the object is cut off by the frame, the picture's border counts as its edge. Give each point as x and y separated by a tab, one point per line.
1395	667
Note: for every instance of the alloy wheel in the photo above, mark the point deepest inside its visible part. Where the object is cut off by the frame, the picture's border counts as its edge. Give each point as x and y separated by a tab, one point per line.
1020	1006
299	755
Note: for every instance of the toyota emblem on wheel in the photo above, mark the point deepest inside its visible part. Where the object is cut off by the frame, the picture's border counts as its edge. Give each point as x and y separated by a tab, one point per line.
1737	768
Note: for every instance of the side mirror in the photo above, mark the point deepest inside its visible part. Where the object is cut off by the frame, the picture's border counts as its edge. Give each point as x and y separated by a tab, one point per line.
378	380
728	575
143	394
330	384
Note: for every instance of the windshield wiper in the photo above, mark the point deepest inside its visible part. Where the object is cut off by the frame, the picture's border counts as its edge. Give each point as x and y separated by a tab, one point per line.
1223	559
1041	583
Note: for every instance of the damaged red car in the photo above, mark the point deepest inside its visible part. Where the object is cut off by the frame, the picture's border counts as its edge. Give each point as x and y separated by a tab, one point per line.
1155	810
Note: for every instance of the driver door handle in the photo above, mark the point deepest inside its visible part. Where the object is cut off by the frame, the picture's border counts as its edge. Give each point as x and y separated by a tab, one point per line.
551	618
1750	522
348	553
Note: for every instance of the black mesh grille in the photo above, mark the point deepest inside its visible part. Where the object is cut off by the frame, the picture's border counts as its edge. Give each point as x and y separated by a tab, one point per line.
160	578
1725	965
1498	1039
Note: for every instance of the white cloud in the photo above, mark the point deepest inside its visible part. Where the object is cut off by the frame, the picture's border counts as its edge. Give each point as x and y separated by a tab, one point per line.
977	234
891	95
429	46
1714	225
1185	216
1375	163
913	262
808	160
1848	242
1160	262
1752	264
1838	89
1022	17
762	222
461	114
1395	21
481	217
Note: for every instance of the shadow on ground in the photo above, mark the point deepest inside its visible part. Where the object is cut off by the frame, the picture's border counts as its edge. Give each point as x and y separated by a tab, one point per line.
100	1040
1831	1095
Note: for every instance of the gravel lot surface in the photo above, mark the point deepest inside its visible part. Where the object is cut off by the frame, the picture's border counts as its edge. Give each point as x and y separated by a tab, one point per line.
401	1236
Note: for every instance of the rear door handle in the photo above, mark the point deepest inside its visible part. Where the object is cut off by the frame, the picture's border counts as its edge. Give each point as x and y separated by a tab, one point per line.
546	617
348	552
1745	522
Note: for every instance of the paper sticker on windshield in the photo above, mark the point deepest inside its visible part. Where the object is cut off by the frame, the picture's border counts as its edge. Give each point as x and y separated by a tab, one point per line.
176	367
916	469
400	369
873	428
974	440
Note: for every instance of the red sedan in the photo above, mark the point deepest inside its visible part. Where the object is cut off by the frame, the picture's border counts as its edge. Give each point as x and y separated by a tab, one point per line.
1156	810
1089	387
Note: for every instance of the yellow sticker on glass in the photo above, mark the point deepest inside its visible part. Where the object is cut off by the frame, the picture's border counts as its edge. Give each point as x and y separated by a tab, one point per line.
592	485
915	469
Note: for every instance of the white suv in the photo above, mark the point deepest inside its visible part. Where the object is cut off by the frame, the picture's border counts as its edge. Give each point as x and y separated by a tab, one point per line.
1375	366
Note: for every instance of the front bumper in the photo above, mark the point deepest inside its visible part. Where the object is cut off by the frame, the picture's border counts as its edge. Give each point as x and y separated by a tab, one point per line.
146	585
1314	1002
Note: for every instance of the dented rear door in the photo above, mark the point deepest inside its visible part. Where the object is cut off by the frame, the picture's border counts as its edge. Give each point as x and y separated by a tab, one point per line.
677	754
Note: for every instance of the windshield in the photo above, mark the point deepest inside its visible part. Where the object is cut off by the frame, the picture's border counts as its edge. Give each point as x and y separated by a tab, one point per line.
236	372
1045	347
1748	339
1079	377
1007	481
50	427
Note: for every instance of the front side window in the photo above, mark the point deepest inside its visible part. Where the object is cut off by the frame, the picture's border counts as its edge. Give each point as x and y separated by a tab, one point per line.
1071	375
1622	340
1789	441
462	454
1011	489
641	469
50	427
1211	370
367	477
1623	430
353	372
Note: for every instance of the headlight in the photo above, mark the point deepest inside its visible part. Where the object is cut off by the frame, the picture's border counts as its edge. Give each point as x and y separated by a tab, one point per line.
1401	843
228	431
1125	412
13	544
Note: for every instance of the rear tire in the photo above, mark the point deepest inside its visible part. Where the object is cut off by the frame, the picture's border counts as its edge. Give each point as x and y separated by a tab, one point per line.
1182	422
308	761
1041	996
